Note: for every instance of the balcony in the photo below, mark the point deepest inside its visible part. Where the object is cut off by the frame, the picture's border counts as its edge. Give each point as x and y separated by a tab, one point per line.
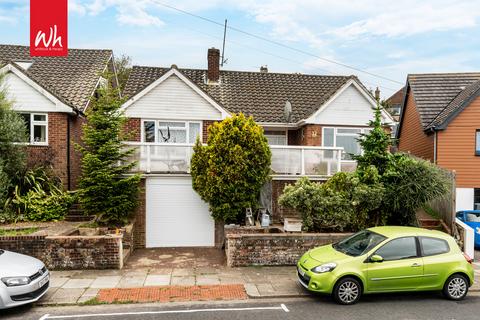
287	161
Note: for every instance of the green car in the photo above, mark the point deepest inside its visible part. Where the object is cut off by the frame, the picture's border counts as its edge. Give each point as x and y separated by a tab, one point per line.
387	259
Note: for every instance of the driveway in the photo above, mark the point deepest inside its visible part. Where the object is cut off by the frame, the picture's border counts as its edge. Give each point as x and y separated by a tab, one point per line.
174	258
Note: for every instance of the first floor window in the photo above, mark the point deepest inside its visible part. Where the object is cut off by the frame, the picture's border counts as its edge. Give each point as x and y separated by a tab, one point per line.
276	138
36	125
171	131
346	138
477	142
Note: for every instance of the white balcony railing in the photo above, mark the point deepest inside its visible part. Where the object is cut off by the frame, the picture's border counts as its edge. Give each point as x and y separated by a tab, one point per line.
286	160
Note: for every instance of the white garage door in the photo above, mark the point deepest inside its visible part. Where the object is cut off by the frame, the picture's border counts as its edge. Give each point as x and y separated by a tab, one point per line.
175	215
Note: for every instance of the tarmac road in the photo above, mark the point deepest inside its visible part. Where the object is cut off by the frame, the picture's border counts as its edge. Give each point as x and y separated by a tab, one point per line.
405	306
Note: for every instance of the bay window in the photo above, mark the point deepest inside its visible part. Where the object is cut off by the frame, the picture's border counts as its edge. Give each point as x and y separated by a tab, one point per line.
162	131
36	125
344	137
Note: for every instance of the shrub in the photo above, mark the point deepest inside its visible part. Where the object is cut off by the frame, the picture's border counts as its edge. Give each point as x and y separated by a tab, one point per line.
343	202
230	170
106	188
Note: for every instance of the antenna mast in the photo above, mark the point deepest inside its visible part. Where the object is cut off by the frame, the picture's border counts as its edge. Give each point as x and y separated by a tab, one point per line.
223	47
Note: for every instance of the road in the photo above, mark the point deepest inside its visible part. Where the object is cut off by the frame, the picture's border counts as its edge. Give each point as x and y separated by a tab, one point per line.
408	306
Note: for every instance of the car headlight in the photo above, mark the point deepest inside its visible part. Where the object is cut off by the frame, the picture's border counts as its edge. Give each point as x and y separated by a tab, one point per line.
16	281
327	267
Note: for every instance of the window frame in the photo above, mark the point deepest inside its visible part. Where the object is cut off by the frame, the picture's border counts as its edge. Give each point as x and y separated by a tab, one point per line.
417	247
157	127
477	142
273	133
363	130
33	123
438	239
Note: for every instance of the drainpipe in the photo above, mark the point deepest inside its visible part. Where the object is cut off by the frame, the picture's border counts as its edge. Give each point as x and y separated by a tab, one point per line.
435	147
69	183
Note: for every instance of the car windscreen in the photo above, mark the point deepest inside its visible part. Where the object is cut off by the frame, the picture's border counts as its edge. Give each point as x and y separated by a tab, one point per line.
473	216
359	243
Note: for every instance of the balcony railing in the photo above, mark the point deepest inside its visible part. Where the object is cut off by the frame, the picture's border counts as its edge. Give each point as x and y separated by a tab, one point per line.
286	160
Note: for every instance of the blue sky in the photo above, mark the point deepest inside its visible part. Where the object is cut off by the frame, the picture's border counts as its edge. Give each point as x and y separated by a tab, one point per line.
388	38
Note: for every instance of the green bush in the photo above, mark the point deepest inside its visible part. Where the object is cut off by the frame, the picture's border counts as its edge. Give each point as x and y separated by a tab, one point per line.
344	202
230	170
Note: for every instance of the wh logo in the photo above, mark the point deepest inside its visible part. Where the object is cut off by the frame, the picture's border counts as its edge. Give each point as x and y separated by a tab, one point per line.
53	39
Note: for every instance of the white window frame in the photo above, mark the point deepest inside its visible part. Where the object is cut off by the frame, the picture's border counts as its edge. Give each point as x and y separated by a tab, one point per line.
363	130
157	127
278	135
31	139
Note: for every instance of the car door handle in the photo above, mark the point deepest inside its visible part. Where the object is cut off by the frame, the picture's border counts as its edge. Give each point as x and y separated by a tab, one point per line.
416	265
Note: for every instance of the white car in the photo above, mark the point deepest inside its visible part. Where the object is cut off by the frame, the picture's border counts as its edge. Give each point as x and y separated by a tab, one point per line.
23	279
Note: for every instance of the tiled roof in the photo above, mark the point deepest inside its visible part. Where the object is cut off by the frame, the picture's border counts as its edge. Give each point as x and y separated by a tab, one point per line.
435	94
72	79
260	94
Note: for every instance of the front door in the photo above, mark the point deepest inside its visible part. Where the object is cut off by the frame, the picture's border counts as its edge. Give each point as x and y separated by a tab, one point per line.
401	268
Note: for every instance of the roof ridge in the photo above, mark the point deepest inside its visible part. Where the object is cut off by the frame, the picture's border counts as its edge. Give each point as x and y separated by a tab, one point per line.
252	72
75	49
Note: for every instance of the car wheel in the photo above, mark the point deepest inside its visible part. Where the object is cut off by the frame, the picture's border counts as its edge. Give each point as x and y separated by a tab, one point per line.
456	287
347	291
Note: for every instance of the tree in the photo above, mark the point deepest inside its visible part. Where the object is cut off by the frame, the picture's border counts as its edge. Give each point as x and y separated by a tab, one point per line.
375	145
123	66
107	189
12	154
229	172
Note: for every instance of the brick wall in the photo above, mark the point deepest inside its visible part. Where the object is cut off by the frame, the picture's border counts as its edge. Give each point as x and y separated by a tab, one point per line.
55	154
69	252
311	135
133	129
139	226
273	249
206	124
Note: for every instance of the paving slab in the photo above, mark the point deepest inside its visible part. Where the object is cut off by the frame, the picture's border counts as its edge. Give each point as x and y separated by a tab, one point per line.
157	280
131	282
251	290
78	283
56	282
209	279
106	282
66	296
183	272
183	281
89	294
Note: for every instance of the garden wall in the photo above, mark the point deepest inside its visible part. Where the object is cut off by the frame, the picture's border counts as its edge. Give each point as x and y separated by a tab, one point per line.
69	252
273	249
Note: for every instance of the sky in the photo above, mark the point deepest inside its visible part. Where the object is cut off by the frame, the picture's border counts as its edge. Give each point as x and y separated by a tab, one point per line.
389	39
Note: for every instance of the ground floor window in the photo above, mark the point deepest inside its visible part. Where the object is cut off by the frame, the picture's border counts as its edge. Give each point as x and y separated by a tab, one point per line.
36	125
476	199
162	131
276	138
344	137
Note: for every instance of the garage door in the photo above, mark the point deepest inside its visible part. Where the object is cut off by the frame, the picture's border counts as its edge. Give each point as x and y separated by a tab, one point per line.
175	214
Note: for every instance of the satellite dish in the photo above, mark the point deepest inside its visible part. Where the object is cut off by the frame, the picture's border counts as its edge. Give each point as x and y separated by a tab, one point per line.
287	111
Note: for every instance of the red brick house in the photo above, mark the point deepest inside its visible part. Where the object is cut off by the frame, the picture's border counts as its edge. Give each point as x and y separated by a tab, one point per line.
440	122
52	94
312	123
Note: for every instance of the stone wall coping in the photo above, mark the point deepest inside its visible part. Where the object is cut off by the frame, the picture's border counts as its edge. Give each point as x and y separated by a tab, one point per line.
286	235
106	236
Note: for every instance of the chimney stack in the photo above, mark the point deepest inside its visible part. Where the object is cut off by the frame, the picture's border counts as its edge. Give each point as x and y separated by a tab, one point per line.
264	69
213	57
377	94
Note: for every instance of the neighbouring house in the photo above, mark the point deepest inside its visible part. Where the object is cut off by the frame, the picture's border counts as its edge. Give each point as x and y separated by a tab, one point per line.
312	123
394	104
440	121
52	94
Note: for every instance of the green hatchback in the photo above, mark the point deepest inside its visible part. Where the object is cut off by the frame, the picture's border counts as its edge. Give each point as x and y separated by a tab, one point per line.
387	259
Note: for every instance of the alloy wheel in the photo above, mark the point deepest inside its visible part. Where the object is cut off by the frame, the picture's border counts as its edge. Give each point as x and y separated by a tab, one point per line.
457	287
348	291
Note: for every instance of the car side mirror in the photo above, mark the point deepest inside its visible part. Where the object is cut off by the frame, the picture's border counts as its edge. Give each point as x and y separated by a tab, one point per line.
376	258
